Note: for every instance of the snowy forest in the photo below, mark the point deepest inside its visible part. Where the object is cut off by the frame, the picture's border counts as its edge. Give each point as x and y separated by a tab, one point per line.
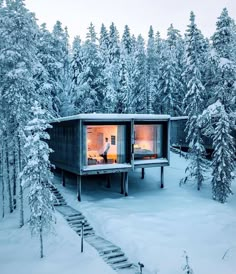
43	76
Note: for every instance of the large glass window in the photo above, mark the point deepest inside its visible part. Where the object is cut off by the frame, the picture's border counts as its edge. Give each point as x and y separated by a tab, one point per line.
105	144
148	142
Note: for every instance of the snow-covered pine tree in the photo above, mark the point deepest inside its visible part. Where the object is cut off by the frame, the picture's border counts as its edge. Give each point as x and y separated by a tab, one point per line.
176	45
194	103
91	82
223	42
224	108
127	40
113	71
59	68
223	157
140	98
151	69
18	83
36	174
104	44
114	44
46	79
170	87
127	93
223	37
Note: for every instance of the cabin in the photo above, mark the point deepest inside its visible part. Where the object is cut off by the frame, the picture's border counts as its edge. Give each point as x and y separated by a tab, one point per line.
89	144
178	135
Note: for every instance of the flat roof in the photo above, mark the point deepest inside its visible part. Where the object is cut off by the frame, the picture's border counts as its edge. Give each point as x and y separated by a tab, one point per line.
111	117
176	118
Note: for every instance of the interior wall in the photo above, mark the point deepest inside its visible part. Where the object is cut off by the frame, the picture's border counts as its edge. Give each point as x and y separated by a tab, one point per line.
96	136
144	136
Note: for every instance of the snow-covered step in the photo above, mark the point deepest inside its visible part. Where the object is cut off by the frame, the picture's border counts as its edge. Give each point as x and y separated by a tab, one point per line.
117	260
86	233
67	211
74	217
79	225
86	229
78	220
113	255
122	265
109	249
60	204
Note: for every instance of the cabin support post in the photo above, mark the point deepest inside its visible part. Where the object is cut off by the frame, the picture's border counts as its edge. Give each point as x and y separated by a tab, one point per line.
126	183
63	178
122	183
143	173
78	179
108	181
162	177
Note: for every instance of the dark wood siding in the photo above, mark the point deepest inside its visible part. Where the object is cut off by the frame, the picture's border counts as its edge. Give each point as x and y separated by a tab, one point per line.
64	140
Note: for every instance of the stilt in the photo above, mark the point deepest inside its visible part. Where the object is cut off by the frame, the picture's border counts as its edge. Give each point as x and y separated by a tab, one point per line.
78	178
108	181
126	183
122	183
143	173
63	178
162	177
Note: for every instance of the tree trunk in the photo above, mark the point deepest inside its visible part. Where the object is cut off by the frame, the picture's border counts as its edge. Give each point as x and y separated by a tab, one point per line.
3	184
14	180
20	186
9	181
41	239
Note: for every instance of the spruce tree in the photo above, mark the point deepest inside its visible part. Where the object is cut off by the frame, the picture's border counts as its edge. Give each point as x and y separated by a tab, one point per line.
36	174
140	90
170	87
194	103
151	69
223	157
91	82
20	68
223	116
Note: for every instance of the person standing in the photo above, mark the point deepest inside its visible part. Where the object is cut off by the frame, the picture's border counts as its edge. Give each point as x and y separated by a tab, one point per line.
106	148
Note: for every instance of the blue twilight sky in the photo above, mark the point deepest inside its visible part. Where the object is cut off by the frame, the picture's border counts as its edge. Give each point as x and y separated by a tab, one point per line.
137	14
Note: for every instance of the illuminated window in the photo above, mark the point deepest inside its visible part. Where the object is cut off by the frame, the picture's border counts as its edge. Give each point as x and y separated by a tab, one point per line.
105	144
148	142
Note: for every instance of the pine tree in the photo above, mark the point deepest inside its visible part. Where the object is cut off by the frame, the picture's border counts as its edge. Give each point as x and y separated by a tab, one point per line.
170	87
127	94
127	40
113	72
194	102
223	157
223	37
104	44
176	46
140	90
18	86
37	174
91	82
223	116
60	70
151	70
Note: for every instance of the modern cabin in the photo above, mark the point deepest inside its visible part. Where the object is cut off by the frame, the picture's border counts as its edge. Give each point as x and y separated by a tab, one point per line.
88	144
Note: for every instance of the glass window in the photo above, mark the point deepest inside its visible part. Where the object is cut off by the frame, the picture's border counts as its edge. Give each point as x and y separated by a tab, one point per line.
148	142
105	144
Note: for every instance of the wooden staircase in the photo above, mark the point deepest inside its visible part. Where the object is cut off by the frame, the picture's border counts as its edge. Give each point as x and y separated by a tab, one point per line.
111	254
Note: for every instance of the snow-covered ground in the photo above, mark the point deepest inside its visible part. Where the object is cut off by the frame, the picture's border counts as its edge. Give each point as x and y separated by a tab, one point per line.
155	226
19	253
151	225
